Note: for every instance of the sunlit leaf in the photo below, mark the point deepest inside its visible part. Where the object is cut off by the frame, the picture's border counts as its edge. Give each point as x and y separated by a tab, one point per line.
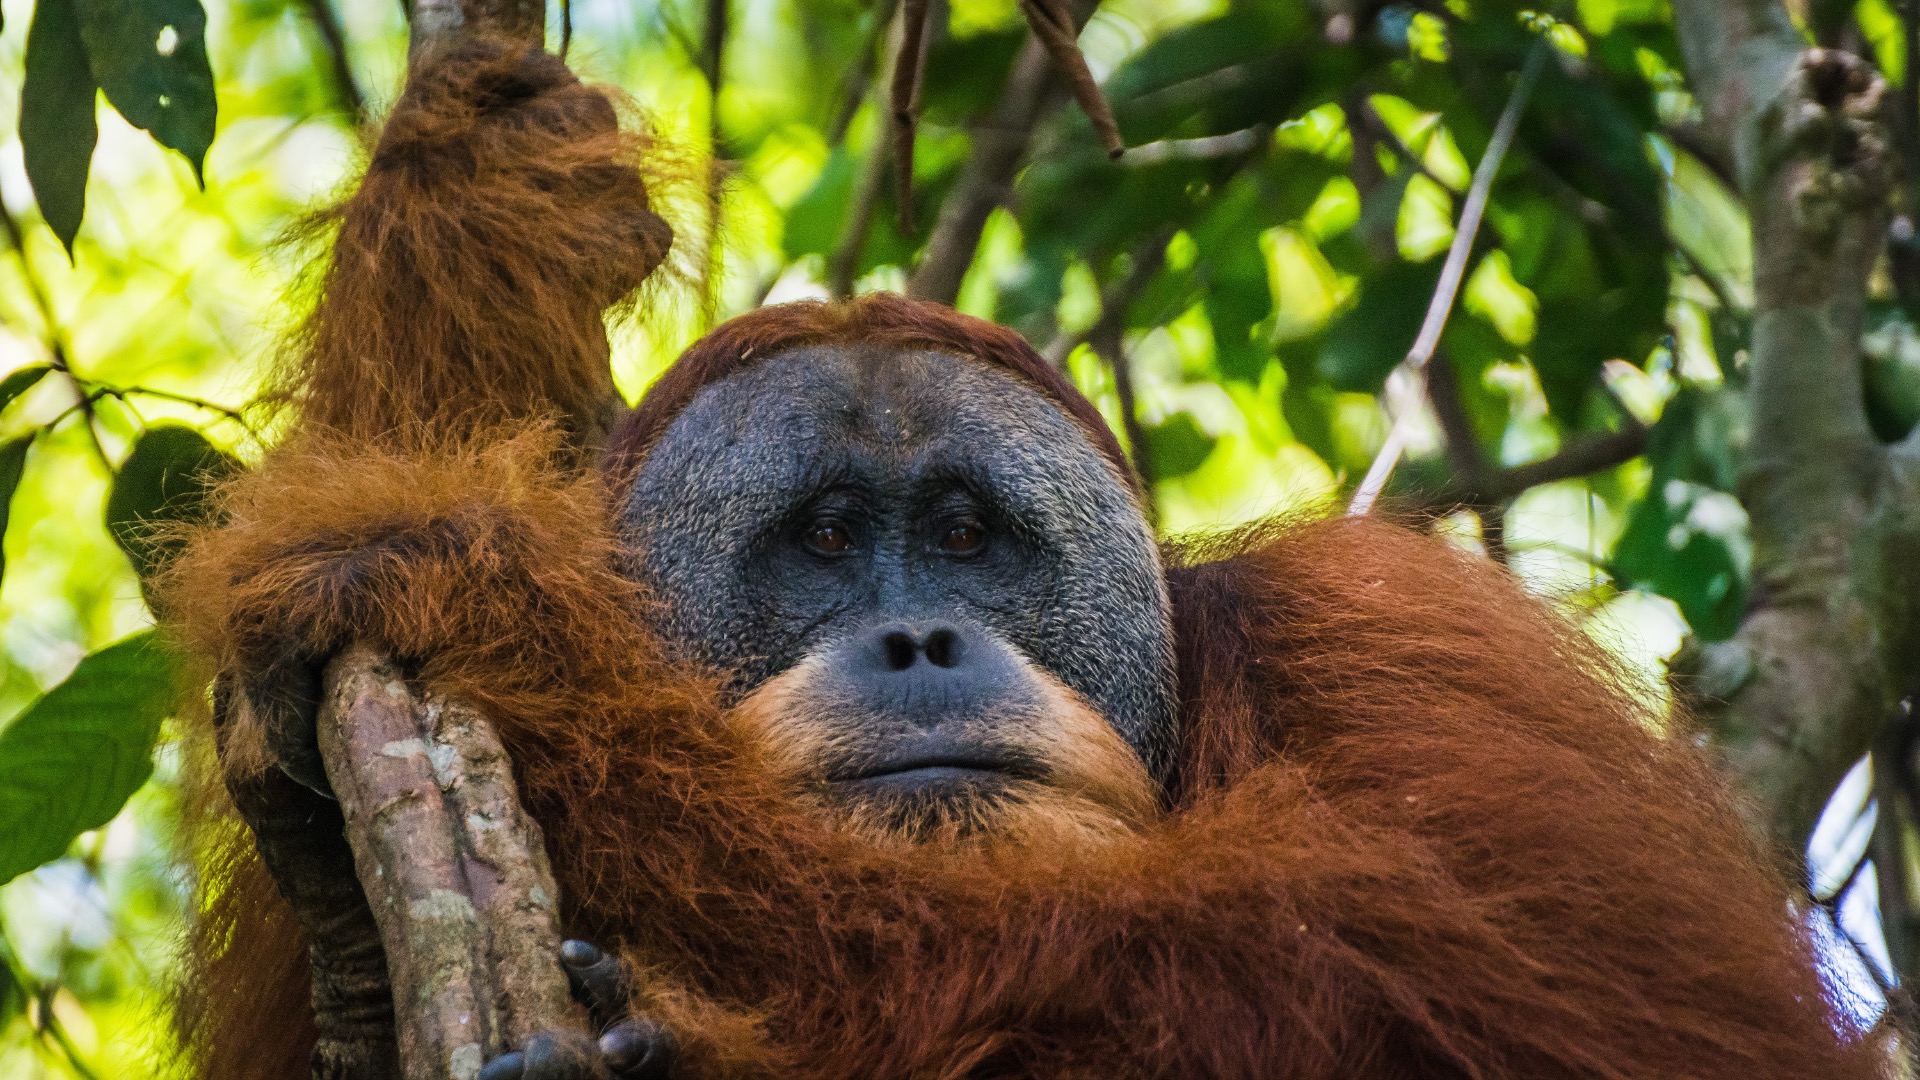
1365	343
150	56
1687	538
1177	446
75	756
57	127
164	480
1425	227
20	382
13	461
1892	353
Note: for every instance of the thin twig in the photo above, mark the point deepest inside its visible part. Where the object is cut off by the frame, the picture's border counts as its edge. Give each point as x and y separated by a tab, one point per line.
843	263
1414	156
1000	142
713	48
1205	148
860	77
49	1027
1054	24
121	393
566	27
1451	274
58	358
1116	298
334	36
909	72
1597	453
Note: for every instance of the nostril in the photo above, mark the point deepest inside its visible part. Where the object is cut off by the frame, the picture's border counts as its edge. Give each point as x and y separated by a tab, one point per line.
943	648
899	649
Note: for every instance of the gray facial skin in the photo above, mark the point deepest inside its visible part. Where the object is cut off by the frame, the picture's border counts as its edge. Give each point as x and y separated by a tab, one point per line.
894	449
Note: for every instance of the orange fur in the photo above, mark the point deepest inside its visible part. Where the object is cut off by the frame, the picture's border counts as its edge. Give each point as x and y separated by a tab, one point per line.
503	210
1096	787
1418	833
1417	830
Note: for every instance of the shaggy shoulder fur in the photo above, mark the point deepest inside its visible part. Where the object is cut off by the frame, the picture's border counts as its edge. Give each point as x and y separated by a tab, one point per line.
1418	833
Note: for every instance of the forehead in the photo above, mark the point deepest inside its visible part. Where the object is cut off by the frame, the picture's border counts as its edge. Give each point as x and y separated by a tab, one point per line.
870	401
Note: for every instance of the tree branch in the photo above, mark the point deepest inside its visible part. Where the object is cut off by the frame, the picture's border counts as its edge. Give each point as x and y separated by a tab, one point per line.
433	23
334	37
1032	90
1107	336
843	263
713	54
1801	691
1452	273
455	871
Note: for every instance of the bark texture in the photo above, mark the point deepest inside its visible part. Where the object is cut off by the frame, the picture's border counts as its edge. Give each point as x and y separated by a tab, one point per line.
455	871
437	22
1831	641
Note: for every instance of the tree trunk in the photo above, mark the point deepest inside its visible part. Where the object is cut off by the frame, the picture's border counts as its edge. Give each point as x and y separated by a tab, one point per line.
1831	640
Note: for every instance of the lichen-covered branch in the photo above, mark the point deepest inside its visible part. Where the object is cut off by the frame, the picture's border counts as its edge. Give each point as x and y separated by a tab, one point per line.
454	870
1800	693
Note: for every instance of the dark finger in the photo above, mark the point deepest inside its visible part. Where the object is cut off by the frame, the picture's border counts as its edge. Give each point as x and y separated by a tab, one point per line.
598	978
286	697
560	1056
505	1067
638	1049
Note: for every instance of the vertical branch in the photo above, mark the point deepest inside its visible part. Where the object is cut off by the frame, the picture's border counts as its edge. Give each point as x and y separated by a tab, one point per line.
1805	685
334	37
909	71
1107	337
843	263
1031	91
455	871
713	50
860	78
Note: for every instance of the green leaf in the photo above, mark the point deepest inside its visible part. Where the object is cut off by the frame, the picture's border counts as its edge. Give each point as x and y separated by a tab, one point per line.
75	756
150	56
164	480
1177	446
57	128
13	459
1363	346
20	382
1687	539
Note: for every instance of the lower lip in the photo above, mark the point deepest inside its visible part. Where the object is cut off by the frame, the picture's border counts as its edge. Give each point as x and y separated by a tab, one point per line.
929	776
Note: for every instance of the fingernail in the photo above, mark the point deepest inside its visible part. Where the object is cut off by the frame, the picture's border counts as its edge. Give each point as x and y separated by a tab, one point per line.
623	1046
578	954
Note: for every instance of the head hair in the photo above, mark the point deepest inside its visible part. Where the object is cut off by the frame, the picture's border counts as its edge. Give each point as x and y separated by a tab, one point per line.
873	319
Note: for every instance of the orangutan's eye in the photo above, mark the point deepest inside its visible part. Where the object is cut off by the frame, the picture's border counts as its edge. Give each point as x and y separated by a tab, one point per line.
829	538
963	538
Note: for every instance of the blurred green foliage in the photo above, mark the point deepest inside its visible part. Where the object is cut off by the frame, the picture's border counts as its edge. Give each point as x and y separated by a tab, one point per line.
1296	173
